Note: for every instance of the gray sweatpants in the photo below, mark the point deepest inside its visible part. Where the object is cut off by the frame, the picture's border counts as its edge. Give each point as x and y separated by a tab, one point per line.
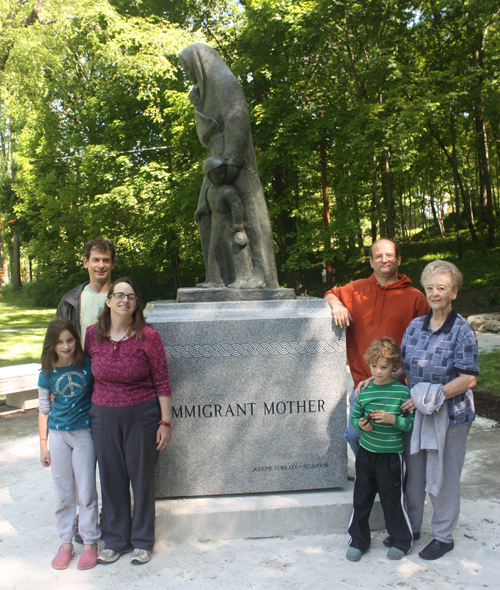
447	504
73	458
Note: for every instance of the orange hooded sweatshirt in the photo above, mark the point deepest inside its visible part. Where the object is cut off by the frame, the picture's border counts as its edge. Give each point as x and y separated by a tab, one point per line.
377	311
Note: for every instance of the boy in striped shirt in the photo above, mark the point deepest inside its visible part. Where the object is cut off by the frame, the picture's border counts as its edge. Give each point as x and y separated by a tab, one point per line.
380	465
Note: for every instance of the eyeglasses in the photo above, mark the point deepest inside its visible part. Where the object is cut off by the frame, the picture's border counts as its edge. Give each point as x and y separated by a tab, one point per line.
119	296
380	257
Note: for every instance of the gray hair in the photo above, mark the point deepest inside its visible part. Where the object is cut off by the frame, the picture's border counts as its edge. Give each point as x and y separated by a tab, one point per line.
442	267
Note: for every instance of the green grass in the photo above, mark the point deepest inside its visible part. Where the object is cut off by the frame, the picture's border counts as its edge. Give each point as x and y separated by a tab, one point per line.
12	318
489	369
19	348
17	312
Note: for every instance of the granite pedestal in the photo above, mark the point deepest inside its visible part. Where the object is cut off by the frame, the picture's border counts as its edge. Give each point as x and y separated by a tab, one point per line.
258	399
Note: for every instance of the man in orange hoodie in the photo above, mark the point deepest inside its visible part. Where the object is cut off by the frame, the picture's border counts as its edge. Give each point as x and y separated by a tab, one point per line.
381	305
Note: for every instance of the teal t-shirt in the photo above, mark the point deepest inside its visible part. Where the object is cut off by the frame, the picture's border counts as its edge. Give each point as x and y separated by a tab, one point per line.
73	390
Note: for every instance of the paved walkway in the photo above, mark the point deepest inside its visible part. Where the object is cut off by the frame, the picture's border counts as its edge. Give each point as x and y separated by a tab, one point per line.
488	342
28	539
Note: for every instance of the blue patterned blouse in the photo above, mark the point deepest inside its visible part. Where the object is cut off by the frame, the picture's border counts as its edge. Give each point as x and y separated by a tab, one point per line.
439	357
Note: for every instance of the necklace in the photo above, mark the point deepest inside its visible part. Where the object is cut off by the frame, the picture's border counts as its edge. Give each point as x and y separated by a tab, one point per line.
116	342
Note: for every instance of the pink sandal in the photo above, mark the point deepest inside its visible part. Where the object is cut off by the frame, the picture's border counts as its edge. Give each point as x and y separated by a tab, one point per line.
62	558
88	559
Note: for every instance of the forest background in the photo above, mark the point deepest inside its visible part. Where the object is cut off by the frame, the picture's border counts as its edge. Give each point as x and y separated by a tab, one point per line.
370	119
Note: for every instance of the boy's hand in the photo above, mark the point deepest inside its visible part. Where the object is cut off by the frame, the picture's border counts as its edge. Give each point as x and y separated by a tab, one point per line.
365	425
45	458
382	417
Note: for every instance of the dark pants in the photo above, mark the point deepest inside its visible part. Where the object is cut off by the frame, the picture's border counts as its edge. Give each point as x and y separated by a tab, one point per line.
383	473
125	444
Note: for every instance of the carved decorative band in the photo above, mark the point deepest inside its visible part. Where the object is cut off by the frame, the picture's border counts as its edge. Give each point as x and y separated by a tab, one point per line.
254	349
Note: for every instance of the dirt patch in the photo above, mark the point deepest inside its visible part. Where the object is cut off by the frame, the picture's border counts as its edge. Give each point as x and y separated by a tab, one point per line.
487	405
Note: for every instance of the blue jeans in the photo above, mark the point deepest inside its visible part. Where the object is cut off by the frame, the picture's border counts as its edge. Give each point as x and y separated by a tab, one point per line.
352	435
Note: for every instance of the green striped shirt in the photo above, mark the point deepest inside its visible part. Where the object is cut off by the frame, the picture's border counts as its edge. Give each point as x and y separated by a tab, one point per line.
383	438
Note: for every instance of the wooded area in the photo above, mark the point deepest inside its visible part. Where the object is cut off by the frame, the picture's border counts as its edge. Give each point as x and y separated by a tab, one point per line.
369	118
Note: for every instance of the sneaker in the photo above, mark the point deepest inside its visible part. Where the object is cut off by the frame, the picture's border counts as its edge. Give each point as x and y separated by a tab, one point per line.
395	553
110	556
388	540
78	538
140	556
353	554
62	558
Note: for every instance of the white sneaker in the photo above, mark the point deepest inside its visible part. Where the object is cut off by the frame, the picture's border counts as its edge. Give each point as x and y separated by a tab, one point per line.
140	556
110	556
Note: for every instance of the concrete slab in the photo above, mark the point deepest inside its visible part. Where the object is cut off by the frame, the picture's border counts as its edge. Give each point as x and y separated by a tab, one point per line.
259	515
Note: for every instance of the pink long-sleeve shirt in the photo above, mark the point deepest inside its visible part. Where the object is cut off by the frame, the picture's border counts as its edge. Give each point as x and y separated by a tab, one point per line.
134	374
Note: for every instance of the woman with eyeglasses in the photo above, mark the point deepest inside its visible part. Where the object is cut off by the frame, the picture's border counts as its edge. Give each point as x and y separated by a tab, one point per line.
130	420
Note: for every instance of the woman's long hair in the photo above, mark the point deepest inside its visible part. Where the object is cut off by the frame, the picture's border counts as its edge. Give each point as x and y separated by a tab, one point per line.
49	356
137	323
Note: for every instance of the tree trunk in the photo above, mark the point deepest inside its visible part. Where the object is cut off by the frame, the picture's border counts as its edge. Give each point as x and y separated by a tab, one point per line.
326	213
175	266
404	227
458	181
16	264
498	175
371	165
477	54
431	197
484	175
359	232
376	197
410	209
424	220
453	162
3	274
389	201
286	225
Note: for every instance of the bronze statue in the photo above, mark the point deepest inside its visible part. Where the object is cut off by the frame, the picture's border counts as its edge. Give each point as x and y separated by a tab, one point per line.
232	215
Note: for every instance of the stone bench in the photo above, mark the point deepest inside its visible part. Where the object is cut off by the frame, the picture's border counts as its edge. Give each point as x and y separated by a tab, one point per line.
19	385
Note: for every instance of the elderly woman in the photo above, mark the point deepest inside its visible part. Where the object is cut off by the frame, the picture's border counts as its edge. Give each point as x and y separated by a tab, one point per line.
130	420
441	364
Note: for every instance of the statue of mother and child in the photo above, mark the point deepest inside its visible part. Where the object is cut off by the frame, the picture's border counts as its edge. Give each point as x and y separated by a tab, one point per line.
232	215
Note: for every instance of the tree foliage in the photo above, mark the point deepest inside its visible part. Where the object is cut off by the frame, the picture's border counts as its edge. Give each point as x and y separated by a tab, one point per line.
384	114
